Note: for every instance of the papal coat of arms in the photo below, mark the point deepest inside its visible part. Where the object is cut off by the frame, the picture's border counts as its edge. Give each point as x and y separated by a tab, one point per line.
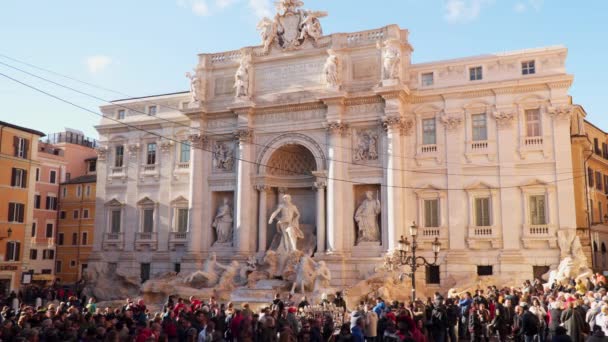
291	26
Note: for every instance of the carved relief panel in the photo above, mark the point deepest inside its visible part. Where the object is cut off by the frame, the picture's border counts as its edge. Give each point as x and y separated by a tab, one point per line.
365	145
223	156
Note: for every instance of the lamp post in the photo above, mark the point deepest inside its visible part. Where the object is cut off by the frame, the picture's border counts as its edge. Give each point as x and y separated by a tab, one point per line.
412	260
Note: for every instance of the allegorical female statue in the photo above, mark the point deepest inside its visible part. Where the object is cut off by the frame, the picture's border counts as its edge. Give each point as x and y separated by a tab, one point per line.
366	217
223	223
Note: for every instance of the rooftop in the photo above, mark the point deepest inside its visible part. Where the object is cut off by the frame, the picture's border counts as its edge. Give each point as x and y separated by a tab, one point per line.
21	128
82	179
71	137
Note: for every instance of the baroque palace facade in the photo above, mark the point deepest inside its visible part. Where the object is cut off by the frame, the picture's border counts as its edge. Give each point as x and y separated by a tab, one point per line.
475	150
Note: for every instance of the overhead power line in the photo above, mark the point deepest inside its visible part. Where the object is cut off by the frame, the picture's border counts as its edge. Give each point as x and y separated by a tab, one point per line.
266	146
211	134
248	161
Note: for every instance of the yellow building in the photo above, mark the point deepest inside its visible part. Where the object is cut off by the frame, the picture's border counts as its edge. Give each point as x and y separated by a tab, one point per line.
590	167
18	164
76	225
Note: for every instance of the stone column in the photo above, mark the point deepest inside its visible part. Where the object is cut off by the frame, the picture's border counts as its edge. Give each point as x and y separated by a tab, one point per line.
243	228
198	239
335	188
262	219
393	126
320	186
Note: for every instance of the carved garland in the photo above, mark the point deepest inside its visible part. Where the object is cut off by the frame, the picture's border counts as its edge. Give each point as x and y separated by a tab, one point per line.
244	135
337	127
198	141
102	152
133	149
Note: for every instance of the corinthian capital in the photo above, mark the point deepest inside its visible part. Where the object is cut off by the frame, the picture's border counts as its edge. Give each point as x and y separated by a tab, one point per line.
562	112
396	122
337	127
451	121
198	140
503	119
244	135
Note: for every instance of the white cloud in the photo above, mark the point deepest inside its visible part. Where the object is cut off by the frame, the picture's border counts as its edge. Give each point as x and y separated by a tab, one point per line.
224	3
261	8
198	7
521	7
464	10
97	63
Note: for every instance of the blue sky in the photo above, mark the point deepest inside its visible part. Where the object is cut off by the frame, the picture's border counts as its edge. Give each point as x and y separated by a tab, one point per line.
143	47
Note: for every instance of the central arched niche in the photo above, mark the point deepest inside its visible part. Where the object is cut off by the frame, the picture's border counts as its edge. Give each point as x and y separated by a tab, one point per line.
290	170
291	160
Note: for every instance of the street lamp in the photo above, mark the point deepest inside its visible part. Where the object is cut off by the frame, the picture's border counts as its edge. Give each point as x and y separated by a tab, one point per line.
412	260
9	233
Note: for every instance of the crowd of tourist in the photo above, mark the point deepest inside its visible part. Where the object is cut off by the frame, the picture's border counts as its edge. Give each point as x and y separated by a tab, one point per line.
577	311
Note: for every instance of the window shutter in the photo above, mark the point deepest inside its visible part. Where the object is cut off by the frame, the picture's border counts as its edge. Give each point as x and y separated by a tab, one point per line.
51	254
16	145
26	146
17	250
9	251
14	177
21	212
47	203
24	179
11	212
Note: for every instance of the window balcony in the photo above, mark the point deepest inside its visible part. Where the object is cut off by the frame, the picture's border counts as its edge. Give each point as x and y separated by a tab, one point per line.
149	171
183	166
146	240
117	171
426	149
480	148
178	240
113	241
539	236
426	236
532	144
149	168
484	237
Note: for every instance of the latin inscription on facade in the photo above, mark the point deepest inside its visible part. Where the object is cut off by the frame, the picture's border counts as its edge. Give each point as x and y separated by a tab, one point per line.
290	77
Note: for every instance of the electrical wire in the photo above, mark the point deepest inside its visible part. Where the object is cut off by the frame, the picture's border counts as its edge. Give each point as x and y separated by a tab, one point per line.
266	146
248	161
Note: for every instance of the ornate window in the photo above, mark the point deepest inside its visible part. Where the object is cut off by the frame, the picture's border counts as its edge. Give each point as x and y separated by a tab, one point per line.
114	216
429	131
151	154
533	123
538	198
432	215
180	215
479	127
119	156
184	152
484	225
147	219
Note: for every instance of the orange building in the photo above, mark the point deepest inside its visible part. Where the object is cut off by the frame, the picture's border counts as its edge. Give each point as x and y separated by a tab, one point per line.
590	159
18	164
76	225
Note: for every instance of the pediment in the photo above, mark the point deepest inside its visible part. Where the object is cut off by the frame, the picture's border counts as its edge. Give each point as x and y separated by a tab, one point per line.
146	201
537	183
113	203
479	186
179	200
427	188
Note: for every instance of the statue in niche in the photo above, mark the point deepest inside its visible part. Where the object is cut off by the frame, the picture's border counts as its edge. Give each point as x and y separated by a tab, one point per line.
223	223
195	83
223	158
330	70
241	78
390	61
367	219
288	225
367	146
